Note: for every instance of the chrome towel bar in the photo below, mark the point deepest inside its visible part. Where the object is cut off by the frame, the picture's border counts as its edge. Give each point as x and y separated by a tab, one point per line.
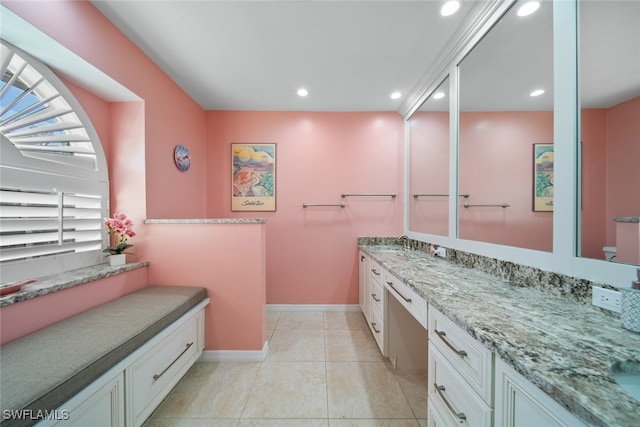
499	205
416	195
369	195
306	205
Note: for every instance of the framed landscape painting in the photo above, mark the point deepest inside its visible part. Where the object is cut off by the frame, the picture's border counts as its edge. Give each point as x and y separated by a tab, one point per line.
253	177
543	177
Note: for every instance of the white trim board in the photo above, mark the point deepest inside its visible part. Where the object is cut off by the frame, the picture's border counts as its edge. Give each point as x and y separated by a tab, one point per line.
313	307
235	355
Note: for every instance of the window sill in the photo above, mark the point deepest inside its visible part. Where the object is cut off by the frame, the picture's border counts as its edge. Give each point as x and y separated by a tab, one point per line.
56	282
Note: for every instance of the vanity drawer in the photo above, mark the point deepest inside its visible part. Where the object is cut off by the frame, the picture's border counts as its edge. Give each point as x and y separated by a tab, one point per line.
156	373
470	358
451	398
377	298
377	329
376	272
414	303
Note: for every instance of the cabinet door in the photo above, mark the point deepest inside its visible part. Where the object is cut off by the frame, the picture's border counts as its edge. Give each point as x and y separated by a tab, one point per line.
102	408
455	400
363	282
519	403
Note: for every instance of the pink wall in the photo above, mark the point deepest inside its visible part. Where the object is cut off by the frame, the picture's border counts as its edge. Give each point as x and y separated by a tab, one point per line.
594	181
228	260
31	315
610	157
623	156
171	116
311	253
429	172
496	164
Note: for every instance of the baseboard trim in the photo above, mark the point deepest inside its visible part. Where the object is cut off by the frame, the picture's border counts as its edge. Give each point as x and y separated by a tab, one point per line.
313	307
235	355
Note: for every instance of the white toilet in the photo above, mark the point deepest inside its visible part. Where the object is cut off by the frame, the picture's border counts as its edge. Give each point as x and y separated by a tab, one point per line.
609	253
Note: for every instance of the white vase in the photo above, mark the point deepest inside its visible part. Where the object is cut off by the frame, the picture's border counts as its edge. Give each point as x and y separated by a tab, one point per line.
116	260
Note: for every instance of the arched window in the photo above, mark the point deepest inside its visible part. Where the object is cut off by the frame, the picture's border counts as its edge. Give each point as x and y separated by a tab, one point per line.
53	174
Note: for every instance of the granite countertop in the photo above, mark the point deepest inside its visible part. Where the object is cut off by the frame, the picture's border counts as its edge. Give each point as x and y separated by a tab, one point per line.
564	347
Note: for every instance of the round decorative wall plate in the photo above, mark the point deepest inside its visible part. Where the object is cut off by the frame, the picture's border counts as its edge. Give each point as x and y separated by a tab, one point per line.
182	158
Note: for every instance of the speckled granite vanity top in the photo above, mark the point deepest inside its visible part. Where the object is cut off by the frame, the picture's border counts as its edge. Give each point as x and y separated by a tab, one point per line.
564	347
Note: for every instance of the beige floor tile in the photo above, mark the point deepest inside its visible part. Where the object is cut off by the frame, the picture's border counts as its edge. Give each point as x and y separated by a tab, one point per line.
272	319
414	386
422	422
351	345
344	320
372	423
190	422
301	320
365	390
210	390
288	390
293	345
282	422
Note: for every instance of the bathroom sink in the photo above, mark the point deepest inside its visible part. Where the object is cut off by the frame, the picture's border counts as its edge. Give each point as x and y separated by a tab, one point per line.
388	249
628	377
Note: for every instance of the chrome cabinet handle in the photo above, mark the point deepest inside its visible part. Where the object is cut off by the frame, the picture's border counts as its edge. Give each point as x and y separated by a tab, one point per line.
442	335
375	272
374	298
398	292
373	325
156	377
440	390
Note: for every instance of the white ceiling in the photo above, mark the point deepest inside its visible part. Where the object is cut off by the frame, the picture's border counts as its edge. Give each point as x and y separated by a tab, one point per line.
351	54
254	55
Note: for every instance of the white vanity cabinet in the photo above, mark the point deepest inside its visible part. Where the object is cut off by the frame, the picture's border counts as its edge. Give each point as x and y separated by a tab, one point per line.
363	282
371	298
101	405
377	305
129	392
410	300
519	403
460	375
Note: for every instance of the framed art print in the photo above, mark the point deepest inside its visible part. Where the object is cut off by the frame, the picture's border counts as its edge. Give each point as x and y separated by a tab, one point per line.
253	177
543	177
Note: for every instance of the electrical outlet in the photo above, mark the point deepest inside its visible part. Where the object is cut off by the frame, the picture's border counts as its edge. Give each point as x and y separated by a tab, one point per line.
606	298
441	252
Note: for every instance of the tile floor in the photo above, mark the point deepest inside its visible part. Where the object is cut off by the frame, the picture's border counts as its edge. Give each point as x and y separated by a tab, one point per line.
322	369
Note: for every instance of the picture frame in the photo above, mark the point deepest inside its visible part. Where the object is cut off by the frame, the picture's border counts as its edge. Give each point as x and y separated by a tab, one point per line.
543	177
253	177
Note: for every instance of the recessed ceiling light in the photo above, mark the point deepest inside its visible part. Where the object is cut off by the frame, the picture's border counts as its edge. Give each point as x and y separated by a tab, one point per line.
302	92
528	8
396	95
450	7
537	92
438	95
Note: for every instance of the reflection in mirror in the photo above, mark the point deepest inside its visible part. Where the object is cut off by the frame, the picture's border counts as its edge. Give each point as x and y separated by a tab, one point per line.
501	124
429	164
609	78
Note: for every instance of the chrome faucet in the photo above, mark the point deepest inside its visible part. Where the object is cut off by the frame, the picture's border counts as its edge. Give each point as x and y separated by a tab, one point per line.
404	241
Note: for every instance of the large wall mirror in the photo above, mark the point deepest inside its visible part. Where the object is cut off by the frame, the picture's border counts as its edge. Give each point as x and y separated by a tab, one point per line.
429	164
505	160
609	67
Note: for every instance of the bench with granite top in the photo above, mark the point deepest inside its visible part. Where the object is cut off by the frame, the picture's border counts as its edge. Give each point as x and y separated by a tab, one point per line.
43	370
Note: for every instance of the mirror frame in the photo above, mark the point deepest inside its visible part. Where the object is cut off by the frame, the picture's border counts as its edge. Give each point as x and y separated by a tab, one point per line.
564	257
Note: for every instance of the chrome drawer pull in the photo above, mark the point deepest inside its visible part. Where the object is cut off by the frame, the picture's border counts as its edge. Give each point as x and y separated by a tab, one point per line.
440	390
374	298
398	292
442	335
375	272
157	376
373	325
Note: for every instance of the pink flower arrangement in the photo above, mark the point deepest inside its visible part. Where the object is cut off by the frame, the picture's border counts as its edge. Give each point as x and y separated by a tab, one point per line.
120	228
